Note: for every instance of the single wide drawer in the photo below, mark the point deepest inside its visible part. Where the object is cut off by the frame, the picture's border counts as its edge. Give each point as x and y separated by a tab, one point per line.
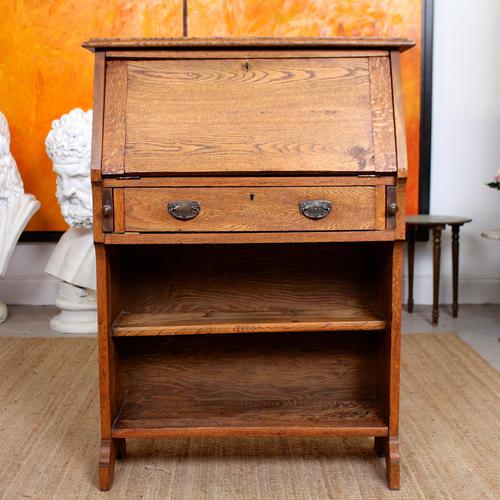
243	209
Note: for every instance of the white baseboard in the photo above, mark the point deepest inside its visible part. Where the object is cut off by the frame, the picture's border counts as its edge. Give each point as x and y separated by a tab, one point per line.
42	290
31	290
26	281
471	289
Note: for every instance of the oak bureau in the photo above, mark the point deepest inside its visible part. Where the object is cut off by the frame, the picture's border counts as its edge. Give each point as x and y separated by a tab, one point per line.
248	223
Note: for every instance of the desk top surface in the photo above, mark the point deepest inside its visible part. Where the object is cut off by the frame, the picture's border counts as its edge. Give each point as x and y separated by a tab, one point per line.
254	42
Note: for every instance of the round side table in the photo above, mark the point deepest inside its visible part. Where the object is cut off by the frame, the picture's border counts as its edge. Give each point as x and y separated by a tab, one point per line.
436	223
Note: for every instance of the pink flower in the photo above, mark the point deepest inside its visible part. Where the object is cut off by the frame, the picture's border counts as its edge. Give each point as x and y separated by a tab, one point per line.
497	177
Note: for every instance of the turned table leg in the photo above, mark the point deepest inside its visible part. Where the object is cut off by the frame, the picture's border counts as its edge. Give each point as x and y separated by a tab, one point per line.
455	229
436	261
411	261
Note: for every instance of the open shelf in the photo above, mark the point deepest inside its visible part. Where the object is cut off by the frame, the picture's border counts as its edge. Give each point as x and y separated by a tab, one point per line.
346	318
260	384
189	290
252	418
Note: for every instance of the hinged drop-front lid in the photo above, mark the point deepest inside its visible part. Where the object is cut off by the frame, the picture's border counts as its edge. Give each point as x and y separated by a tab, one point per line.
234	109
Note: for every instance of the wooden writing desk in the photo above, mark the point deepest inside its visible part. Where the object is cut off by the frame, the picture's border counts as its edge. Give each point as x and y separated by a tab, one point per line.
249	223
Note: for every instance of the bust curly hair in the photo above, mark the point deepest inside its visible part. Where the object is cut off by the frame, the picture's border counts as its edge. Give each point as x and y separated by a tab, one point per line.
11	184
70	136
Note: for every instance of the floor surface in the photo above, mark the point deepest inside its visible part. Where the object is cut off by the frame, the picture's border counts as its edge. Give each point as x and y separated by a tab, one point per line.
49	437
477	325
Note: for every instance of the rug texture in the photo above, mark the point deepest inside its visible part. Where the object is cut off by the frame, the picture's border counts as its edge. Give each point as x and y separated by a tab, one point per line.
49	422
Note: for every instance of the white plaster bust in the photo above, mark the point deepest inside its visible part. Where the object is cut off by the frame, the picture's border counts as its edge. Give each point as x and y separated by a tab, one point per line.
68	145
16	207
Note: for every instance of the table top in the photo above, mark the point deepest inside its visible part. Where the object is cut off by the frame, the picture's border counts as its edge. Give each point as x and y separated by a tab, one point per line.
435	220
492	234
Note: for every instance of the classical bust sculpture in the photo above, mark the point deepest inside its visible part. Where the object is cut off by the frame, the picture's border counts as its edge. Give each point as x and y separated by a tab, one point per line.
16	207
68	145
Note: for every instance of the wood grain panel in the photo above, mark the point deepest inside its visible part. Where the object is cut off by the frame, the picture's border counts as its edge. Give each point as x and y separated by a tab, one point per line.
249	116
382	114
238	54
247	238
98	114
260	181
380	207
399	117
401	213
108	372
250	381
97	229
119	209
250	209
223	281
114	117
365	419
341	319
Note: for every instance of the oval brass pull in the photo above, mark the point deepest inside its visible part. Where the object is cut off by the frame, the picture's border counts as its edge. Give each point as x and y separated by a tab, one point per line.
315	209
184	209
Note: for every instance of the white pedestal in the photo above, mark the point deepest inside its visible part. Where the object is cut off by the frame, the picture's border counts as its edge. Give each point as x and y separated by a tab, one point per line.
73	262
78	310
3	312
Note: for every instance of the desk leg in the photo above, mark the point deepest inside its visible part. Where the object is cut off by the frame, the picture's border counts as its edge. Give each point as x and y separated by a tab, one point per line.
389	447
411	262
455	229
436	262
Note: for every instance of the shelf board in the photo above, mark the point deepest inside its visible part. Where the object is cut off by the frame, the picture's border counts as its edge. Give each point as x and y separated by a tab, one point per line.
251	418
157	324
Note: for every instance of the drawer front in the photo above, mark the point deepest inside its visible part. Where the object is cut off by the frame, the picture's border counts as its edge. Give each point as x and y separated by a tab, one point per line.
249	116
249	209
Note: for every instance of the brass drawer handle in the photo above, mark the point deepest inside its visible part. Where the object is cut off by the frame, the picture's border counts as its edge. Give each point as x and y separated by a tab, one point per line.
315	209
184	209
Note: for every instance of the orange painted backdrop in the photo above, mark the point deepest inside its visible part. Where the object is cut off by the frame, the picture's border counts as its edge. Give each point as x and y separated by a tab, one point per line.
44	72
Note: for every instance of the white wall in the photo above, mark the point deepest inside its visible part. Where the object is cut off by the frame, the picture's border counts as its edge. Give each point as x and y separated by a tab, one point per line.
465	155
25	281
465	147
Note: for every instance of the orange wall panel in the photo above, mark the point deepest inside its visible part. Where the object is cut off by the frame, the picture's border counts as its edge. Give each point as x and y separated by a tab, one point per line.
44	72
398	18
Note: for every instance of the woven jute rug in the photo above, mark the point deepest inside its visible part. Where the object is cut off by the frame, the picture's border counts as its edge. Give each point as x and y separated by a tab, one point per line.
450	436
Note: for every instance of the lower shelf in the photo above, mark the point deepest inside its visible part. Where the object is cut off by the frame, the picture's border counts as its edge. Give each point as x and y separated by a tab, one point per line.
251	418
255	385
